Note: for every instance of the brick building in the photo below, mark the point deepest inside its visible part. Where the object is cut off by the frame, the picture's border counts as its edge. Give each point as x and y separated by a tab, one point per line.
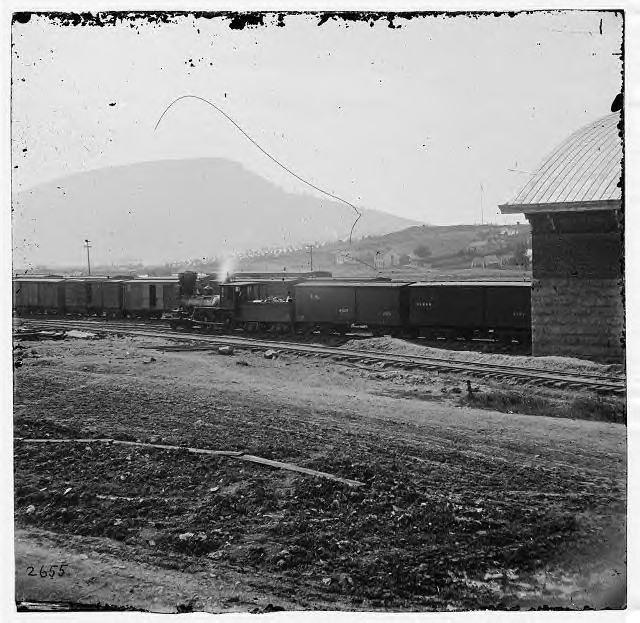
574	205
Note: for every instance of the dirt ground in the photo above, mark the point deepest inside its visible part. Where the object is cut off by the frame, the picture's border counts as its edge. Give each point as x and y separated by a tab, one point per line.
460	508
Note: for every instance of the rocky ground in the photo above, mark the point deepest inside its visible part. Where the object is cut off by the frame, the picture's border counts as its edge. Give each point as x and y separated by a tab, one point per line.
460	507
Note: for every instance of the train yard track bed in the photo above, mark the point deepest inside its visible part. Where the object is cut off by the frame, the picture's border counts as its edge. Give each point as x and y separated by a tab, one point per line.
460	507
394	346
547	371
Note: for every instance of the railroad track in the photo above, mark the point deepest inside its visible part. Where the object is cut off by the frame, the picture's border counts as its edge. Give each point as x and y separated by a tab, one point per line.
526	375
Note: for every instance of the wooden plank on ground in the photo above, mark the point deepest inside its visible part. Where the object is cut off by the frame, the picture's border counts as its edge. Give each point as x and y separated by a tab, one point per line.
297	468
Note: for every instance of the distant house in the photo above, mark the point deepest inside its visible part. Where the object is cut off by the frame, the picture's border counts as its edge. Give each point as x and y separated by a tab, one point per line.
386	259
421	262
343	257
477	262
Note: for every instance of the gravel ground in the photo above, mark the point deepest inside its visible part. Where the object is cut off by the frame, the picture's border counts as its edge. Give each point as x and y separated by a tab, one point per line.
403	347
460	508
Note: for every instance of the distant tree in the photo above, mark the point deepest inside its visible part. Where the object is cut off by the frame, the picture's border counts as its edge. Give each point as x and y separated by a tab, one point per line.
404	259
422	250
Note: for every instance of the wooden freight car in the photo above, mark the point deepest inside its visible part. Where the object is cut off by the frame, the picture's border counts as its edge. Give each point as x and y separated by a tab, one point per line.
150	297
38	295
325	306
382	306
450	309
341	305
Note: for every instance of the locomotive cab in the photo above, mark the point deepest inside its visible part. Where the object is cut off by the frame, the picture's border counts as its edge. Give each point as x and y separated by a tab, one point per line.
264	305
231	294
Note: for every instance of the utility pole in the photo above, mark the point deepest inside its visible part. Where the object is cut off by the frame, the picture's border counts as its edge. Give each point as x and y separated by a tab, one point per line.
481	206
311	253
88	246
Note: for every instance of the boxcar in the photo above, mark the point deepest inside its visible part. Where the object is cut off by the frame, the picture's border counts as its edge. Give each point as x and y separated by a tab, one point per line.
381	305
447	309
144	298
469	309
38	295
325	304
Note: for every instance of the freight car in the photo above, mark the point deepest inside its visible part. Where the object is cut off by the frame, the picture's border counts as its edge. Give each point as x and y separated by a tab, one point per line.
38	295
342	305
150	297
498	310
93	296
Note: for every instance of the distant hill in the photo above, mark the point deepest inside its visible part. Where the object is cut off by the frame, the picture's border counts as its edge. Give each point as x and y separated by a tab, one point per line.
418	250
155	212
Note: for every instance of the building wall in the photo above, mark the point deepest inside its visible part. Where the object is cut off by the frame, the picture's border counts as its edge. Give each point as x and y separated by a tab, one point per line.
578	288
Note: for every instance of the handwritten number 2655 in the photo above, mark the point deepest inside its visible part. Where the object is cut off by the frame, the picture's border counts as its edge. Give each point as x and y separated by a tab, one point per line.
51	573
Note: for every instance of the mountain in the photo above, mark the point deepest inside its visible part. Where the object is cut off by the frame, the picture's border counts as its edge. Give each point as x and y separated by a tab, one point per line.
174	209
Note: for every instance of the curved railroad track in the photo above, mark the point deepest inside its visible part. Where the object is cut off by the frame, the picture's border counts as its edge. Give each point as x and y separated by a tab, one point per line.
527	375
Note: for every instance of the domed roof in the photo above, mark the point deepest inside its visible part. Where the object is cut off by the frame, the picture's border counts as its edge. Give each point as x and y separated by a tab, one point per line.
585	168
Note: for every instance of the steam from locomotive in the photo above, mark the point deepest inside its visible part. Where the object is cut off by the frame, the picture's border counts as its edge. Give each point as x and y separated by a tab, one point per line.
225	272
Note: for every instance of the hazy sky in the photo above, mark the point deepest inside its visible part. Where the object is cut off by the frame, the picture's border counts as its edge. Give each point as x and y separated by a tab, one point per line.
411	120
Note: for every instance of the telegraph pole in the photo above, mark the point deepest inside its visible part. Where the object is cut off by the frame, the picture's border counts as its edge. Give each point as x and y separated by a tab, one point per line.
311	253
88	246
